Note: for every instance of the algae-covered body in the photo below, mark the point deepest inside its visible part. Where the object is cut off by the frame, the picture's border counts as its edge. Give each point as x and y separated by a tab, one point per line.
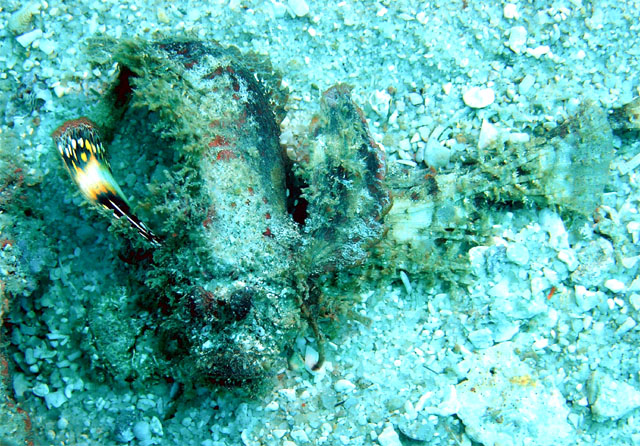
232	270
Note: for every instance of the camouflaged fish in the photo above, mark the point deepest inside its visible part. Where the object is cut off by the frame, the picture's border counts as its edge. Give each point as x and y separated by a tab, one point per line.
78	142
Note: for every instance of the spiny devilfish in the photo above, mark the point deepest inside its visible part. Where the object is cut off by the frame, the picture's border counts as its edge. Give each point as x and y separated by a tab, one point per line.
79	144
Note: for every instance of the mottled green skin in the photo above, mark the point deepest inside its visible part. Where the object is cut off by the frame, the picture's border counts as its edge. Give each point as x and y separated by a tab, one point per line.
227	283
347	198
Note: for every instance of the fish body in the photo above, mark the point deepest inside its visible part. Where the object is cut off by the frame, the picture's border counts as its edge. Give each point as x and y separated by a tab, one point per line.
79	144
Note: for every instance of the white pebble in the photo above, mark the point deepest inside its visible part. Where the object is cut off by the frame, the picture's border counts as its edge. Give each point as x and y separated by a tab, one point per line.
272	406
569	258
415	99
27	65
299	7
478	97
627	325
300	436
526	83
405	145
142	431
510	11
517	38
518	138
538	51
380	101
389	437
424	133
541	343
610	398
311	357
614	285
289	394
634	230
47	46
580	55
344	386
518	253
481	338
156	426
62	423
436	155
59	90
634	300
40	389
406	282
21	384
27	39
629	262
553	224
488	135
55	399
279	433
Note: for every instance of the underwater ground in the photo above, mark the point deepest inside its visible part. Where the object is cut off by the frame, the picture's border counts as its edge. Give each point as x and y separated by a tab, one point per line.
501	305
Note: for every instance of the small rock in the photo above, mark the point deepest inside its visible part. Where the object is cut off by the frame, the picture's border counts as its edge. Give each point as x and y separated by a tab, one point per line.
123	434
162	16
62	423
47	46
289	394
21	384
553	224
405	145
568	256
29	356
436	155
539	51
272	406
311	357
40	389
389	437
627	325
482	338
279	433
424	133
634	300
299	8
380	101
526	83
510	11
478	97
27	39
517	38
610	398
343	386
156	426
415	99
300	436
518	253
499	382
518	137
586	300
614	285
488	134
55	399
406	282
142	431
279	9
